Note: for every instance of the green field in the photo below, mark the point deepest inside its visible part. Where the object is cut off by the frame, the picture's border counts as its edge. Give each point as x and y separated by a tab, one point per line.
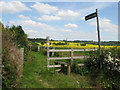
36	76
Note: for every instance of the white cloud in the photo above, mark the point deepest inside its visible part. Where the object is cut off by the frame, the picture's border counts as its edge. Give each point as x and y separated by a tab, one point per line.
13	7
68	14
11	23
105	25
37	29
62	15
49	18
70	26
33	25
44	8
68	30
31	33
36	25
23	17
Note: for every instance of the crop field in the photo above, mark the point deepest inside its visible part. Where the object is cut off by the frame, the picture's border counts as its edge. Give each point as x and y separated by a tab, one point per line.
64	44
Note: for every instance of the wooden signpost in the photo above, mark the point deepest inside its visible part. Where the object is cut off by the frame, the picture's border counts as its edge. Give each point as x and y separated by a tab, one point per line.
90	16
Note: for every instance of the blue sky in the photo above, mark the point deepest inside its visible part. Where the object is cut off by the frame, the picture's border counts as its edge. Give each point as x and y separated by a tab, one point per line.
62	20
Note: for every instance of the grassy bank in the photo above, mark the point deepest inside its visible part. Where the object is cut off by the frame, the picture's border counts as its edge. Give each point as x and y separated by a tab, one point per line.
36	76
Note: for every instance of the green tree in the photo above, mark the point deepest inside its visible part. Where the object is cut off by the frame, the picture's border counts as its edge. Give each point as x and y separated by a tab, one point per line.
19	35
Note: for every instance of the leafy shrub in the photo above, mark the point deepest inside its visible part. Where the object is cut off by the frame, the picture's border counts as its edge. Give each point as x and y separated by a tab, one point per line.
79	69
106	69
75	68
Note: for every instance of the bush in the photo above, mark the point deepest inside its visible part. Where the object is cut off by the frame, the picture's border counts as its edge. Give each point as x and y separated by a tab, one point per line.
79	69
105	69
75	68
12	39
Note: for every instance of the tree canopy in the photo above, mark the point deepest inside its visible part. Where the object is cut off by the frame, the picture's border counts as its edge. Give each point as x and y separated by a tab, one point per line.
19	35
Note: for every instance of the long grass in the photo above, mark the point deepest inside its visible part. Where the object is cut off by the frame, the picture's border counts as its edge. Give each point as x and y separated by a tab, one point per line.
36	76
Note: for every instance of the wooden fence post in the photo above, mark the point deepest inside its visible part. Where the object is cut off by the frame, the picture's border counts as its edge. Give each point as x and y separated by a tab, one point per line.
38	48
53	52
68	69
71	55
84	55
71	61
47	53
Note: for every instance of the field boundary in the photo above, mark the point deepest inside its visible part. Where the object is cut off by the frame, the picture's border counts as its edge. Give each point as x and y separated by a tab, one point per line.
71	57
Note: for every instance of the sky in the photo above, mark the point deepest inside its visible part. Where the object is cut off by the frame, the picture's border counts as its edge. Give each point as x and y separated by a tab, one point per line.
62	20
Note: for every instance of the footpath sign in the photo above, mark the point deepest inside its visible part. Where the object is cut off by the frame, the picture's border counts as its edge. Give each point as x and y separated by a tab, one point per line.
90	16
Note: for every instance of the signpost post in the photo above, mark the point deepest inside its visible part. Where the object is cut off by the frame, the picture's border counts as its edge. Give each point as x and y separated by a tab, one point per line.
47	45
99	43
90	16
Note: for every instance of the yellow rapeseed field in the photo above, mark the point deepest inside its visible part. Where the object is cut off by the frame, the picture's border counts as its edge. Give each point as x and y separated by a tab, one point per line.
74	45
